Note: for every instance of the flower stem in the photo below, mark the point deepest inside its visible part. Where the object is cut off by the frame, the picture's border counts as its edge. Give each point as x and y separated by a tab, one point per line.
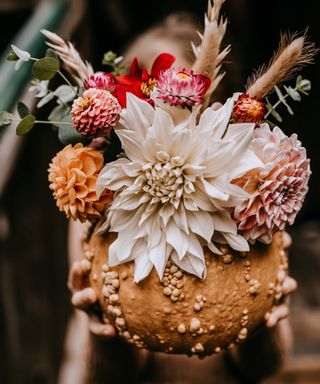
53	122
68	82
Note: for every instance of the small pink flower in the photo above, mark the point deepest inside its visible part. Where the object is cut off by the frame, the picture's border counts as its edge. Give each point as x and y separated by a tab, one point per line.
182	87
101	80
95	113
277	189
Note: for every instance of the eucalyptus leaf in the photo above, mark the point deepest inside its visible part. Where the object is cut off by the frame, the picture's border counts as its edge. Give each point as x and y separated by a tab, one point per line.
305	85
46	68
23	110
294	94
12	56
283	100
65	93
45	100
59	112
5	118
51	53
276	115
68	134
25	125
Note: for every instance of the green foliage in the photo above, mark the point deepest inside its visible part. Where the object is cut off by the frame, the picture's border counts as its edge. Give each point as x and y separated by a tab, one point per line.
68	134
23	110
12	56
5	118
302	86
25	125
112	60
46	68
51	53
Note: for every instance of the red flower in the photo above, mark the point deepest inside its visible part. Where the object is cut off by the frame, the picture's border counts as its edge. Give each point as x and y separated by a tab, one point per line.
248	110
139	81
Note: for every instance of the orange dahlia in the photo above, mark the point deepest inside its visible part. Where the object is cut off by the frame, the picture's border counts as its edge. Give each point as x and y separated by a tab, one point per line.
73	173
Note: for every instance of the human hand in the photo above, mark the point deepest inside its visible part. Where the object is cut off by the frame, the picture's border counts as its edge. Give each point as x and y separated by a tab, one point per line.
85	298
281	311
289	285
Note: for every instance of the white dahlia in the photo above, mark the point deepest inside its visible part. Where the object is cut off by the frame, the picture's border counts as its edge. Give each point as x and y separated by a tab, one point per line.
173	192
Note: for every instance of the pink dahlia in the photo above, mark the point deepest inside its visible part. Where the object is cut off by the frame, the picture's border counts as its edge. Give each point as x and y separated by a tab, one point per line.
101	80
182	87
95	113
277	189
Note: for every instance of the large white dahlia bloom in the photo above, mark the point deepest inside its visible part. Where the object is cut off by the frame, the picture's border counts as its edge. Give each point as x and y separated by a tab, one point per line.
173	192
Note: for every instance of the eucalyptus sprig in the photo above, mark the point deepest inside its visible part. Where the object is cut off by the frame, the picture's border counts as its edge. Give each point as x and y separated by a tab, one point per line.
302	86
43	70
112	60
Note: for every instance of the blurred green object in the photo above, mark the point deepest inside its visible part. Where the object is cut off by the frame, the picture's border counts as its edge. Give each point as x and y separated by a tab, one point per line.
48	15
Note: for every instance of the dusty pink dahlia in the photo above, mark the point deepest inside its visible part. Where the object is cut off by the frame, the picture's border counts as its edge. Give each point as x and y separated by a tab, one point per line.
95	113
182	87
277	189
101	80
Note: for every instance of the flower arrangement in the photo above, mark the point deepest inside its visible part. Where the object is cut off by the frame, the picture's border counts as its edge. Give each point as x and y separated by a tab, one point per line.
188	175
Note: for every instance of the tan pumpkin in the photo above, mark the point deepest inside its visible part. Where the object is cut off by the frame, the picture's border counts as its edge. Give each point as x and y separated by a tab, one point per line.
182	313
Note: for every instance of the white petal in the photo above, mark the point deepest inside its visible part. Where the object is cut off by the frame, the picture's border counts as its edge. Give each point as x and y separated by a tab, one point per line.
177	239
23	55
214	249
202	224
249	161
216	122
131	144
195	247
142	266
162	128
237	242
159	256
138	115
224	223
166	211
190	264
212	191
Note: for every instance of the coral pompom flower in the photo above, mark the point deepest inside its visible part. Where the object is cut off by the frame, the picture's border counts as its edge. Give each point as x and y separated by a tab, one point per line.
182	87
248	110
139	81
95	113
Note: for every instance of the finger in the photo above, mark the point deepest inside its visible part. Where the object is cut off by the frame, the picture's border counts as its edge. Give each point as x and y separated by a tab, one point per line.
84	299
215	106
100	329
78	277
279	313
289	285
287	240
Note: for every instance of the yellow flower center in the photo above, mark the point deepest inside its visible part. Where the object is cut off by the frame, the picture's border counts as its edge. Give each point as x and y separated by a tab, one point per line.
147	86
183	76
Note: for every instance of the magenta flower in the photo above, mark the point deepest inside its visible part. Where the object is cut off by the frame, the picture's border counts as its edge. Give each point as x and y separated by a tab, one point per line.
277	189
95	113
101	80
182	87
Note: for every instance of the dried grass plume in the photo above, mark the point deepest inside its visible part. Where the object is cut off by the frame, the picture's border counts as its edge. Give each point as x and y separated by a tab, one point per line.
293	53
208	54
80	70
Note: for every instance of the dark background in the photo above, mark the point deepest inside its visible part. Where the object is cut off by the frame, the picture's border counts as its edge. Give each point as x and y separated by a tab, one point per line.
34	302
